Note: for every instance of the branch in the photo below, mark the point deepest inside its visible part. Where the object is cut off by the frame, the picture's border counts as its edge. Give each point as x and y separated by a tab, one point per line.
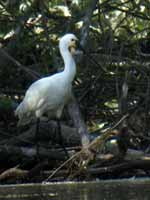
73	108
139	15
15	153
32	73
119	168
87	21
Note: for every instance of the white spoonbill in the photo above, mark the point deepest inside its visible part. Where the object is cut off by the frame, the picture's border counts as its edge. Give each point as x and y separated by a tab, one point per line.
50	95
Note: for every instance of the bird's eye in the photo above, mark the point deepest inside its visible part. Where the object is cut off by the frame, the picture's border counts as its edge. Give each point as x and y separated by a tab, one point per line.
72	39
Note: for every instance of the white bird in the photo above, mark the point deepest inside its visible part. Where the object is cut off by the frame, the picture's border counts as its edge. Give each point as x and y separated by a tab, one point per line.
50	94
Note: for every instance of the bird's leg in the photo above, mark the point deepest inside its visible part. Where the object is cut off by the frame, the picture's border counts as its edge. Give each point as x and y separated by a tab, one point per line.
36	138
61	138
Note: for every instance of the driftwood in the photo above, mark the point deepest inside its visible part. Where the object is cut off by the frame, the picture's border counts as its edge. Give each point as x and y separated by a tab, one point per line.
13	173
141	163
13	154
92	160
47	133
120	168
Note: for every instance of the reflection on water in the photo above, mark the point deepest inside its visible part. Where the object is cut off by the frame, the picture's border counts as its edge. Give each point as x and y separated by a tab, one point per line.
138	189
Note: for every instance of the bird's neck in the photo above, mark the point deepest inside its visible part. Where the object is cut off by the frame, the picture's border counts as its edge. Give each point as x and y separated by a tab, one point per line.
70	66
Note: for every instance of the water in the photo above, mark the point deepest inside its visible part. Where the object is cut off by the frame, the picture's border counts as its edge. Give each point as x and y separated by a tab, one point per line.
138	189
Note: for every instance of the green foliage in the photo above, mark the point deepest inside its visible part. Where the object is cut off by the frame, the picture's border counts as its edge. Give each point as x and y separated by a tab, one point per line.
118	40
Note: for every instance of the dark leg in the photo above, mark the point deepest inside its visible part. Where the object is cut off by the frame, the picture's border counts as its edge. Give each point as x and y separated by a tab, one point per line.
36	138
61	139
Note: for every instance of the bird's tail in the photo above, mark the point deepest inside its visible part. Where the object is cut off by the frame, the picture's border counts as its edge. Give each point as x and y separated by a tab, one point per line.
24	116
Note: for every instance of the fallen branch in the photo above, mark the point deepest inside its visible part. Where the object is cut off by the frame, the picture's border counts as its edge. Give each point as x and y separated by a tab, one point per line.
13	173
47	133
119	168
15	153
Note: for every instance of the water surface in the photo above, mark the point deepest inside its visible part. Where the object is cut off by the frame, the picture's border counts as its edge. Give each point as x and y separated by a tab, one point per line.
133	189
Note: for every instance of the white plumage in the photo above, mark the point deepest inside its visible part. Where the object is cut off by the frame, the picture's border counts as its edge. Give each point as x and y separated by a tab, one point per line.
50	94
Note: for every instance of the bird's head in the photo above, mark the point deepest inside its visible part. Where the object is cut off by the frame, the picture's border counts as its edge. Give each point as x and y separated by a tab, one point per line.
68	42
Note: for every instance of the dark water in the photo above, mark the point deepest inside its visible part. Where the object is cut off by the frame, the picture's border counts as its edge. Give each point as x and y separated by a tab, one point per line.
138	189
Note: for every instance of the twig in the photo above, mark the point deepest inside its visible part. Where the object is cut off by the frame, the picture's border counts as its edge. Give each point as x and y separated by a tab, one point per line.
62	165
